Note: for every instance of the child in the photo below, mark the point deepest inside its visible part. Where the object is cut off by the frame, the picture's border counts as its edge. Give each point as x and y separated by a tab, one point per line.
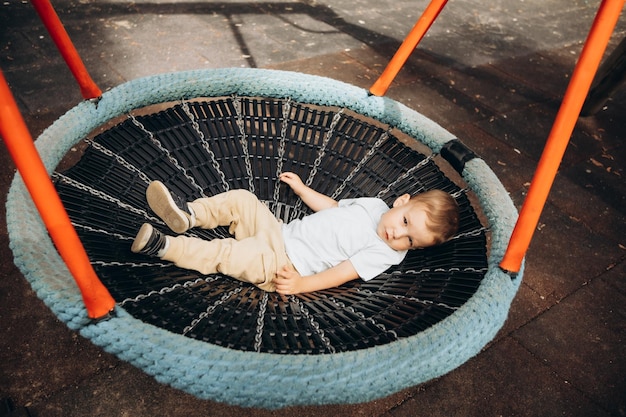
340	242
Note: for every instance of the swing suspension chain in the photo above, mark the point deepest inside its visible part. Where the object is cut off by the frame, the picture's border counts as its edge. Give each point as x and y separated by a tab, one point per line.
281	148
209	311
101	231
260	322
471	233
131	264
361	163
313	323
243	139
106	197
321	152
164	290
459	193
414	299
360	315
166	152
103	196
205	144
430	270
405	175
425	302
123	162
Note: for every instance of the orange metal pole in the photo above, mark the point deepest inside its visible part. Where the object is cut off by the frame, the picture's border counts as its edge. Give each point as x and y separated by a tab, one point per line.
577	90
17	138
407	47
59	35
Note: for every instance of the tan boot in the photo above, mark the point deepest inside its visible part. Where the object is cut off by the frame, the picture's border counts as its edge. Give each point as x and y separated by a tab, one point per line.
171	208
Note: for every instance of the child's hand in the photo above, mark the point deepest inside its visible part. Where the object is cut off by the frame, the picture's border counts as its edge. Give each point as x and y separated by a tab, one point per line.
316	201
293	180
288	281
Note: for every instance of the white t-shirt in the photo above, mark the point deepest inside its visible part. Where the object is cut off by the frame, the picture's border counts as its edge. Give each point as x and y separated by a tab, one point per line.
347	232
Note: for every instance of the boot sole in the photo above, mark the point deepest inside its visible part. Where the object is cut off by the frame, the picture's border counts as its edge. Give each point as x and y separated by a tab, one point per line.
142	238
161	202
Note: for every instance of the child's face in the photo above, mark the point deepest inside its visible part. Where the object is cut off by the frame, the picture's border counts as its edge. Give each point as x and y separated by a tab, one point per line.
404	226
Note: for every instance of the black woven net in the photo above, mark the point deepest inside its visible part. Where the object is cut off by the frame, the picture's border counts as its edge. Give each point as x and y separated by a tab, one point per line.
204	147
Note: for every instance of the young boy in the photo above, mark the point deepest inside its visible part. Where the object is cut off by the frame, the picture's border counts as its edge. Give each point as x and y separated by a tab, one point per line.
340	242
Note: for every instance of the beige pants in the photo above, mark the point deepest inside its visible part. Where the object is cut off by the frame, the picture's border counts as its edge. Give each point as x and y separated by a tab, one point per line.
253	255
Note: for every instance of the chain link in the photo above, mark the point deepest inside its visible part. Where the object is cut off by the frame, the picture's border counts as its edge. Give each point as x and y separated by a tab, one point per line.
165	152
459	193
205	145
360	165
123	162
260	322
101	231
132	264
101	195
164	290
281	148
322	151
314	324
425	302
472	233
244	141
448	270
210	310
405	175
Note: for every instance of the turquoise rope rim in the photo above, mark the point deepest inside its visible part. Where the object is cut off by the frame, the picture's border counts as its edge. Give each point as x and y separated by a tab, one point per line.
252	379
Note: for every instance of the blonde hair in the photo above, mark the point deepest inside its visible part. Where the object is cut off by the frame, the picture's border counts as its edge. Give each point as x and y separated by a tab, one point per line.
442	212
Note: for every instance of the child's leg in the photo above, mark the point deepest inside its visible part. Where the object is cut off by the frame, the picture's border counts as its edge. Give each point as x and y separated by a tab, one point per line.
239	209
252	260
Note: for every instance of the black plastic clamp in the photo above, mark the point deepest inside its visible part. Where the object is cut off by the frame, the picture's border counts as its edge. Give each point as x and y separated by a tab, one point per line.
457	154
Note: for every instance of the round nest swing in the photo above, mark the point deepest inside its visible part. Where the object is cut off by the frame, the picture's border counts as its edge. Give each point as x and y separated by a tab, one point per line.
224	340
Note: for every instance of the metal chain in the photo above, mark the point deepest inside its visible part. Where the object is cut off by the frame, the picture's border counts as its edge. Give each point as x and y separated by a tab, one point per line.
103	196
123	162
428	270
244	142
281	148
361	315
425	302
163	290
360	165
205	144
106	197
322	151
405	175
166	152
476	232
414	299
314	324
210	310
101	231
132	264
260	322
459	193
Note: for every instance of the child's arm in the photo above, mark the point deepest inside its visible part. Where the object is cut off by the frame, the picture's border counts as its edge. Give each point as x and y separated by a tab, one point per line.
316	201
289	281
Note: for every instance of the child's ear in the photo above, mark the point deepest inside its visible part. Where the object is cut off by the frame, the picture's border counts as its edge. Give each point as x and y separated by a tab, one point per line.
402	200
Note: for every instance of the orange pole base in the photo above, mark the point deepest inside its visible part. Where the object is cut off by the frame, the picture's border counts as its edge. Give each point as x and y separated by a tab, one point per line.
409	44
573	100
19	142
50	19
